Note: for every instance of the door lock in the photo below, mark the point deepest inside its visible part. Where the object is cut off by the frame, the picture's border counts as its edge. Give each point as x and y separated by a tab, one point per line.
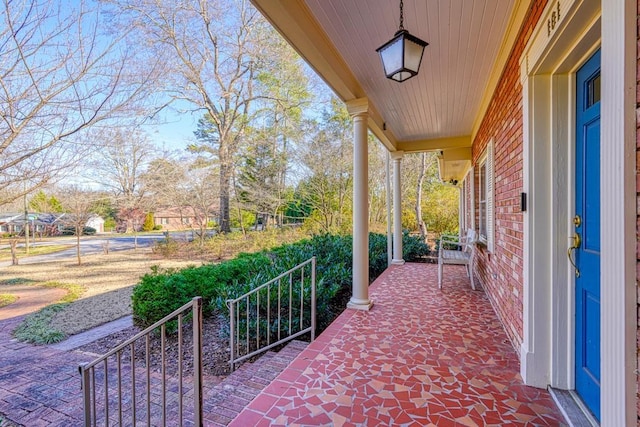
577	221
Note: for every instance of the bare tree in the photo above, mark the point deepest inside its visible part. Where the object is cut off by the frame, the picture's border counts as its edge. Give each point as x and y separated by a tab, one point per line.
187	184
199	196
59	76
80	205
211	57
377	188
163	181
438	201
276	129
327	157
420	181
119	167
13	245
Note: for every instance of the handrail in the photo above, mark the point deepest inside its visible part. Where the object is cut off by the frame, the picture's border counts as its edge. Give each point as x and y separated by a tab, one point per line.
251	314
264	285
89	384
142	333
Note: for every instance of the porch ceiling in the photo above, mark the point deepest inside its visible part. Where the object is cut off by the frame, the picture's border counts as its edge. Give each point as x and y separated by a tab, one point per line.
439	109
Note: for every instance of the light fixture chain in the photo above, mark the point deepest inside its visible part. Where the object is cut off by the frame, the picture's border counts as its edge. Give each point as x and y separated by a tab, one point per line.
401	15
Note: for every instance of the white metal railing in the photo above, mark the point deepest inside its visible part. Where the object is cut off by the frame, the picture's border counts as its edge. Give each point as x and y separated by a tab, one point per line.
257	327
118	391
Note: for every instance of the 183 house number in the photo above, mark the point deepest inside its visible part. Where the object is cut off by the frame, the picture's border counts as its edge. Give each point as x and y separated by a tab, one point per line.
554	19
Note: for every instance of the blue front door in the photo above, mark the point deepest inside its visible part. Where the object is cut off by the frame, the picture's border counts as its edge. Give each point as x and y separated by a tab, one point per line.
587	227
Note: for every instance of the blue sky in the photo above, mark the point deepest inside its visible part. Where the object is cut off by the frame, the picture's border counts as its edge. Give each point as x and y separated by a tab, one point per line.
176	132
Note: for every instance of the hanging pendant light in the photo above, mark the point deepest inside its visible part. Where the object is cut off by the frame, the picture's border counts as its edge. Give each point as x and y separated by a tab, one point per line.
401	56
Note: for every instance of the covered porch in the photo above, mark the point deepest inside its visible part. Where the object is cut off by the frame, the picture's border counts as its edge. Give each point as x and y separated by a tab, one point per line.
498	98
420	356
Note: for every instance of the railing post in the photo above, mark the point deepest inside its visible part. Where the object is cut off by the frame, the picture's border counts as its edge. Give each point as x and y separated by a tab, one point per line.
232	335
313	298
197	361
86	394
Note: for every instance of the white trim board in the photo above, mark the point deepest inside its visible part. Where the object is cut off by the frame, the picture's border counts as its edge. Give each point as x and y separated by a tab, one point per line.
618	213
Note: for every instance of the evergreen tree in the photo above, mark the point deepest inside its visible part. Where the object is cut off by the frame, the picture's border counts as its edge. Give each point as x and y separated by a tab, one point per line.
149	222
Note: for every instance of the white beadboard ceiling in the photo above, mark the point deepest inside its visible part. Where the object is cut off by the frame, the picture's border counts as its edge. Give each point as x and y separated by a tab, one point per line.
464	37
440	108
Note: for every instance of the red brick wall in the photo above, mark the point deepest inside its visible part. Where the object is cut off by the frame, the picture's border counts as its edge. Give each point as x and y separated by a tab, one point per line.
638	203
501	272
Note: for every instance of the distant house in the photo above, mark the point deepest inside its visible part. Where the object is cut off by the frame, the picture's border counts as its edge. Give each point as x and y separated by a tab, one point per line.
41	224
182	218
8	222
96	222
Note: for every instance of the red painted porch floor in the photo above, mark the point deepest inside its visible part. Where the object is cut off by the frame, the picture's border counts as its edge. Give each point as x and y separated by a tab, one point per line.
421	356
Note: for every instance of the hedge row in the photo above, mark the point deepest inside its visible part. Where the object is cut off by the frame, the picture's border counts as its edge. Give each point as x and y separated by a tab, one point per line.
163	291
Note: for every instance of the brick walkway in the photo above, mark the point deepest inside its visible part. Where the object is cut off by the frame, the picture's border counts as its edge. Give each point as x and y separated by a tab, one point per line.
40	385
30	298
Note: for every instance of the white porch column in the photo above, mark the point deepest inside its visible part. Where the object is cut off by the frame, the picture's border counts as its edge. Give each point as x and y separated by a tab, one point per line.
359	111
397	208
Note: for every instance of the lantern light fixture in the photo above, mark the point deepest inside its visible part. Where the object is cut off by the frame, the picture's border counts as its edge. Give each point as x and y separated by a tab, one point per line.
401	56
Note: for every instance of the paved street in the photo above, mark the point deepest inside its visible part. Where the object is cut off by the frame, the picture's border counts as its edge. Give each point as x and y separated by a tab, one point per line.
89	245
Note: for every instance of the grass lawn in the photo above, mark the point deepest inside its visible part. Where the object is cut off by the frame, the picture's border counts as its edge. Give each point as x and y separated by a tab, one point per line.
6	299
5	253
99	290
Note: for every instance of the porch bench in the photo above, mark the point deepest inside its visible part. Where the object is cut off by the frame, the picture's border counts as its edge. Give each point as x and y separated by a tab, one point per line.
462	255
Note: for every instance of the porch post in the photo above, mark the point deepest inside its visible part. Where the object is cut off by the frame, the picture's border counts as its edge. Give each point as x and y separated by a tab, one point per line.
387	188
397	208
359	111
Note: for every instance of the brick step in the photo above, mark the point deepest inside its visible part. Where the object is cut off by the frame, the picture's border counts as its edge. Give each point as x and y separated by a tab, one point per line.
227	399
222	400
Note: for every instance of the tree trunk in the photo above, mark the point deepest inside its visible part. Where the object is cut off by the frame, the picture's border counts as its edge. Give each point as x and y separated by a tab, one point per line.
14	252
421	225
203	230
225	183
78	232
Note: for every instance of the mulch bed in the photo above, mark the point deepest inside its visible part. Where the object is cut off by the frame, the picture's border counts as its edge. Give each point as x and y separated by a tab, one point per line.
215	347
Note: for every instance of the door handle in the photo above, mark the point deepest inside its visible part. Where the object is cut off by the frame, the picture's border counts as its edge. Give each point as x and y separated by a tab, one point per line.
576	241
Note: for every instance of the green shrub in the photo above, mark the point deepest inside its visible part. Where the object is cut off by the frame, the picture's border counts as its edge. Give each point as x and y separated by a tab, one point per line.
109	224
163	291
413	247
166	247
36	327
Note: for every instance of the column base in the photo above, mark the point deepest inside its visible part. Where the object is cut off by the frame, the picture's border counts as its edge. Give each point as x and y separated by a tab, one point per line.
397	262
360	304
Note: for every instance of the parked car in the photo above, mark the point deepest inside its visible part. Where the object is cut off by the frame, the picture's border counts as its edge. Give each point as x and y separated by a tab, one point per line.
71	231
